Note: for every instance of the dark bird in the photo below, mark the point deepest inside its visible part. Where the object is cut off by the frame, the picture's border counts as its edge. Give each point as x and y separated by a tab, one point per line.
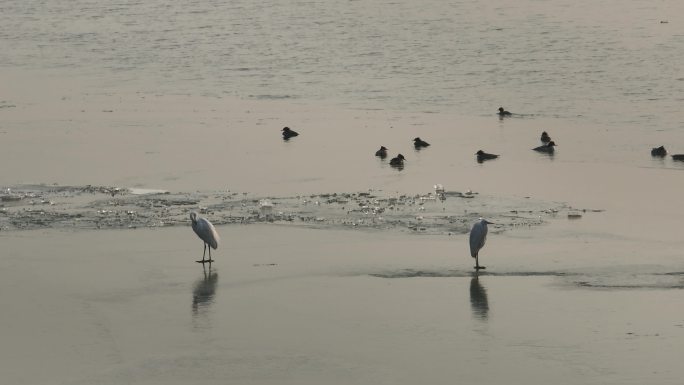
482	156
397	161
545	138
288	133
382	152
658	151
207	233
547	148
419	143
678	157
503	112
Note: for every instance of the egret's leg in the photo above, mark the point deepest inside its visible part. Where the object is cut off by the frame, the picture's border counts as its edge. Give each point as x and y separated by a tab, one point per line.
204	253
210	255
477	264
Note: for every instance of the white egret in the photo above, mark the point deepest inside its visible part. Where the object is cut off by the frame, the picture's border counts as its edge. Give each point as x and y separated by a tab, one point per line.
478	237
207	233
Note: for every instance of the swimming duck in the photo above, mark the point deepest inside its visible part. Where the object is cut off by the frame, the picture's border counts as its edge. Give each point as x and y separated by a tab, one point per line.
658	151
503	112
288	133
397	161
482	156
545	138
547	148
382	152
678	157
419	143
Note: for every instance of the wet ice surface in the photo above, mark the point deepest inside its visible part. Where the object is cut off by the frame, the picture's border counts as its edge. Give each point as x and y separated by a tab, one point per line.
280	296
433	213
98	207
618	277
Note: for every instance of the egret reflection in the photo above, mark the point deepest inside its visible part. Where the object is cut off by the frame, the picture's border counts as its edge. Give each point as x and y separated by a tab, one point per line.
204	290
478	299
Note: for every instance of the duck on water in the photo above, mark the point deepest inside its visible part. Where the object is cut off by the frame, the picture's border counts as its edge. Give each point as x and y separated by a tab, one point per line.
546	148
382	152
418	143
482	156
659	151
289	133
397	161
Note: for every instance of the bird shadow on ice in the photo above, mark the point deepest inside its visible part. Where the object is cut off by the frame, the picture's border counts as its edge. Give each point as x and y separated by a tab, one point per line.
630	278
478	299
416	273
615	277
204	291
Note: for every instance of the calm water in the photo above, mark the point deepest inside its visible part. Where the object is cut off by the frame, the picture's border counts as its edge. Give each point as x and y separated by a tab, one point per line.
606	74
610	62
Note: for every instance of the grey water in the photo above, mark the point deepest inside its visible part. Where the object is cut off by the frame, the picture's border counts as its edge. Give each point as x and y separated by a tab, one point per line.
611	62
592	300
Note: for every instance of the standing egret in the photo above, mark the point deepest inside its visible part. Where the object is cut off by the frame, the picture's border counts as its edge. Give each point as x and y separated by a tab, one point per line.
478	237
207	233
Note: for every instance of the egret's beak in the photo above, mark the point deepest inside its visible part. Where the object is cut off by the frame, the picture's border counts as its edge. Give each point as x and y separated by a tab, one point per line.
489	223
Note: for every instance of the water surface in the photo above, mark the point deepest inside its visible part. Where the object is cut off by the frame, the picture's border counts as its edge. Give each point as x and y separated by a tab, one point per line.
610	62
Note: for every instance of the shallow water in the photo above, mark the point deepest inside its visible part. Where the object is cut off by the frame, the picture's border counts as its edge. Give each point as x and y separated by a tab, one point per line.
608	62
128	115
616	277
137	309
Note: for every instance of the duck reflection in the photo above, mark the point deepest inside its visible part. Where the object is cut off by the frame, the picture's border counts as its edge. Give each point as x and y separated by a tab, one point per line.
204	290
478	299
